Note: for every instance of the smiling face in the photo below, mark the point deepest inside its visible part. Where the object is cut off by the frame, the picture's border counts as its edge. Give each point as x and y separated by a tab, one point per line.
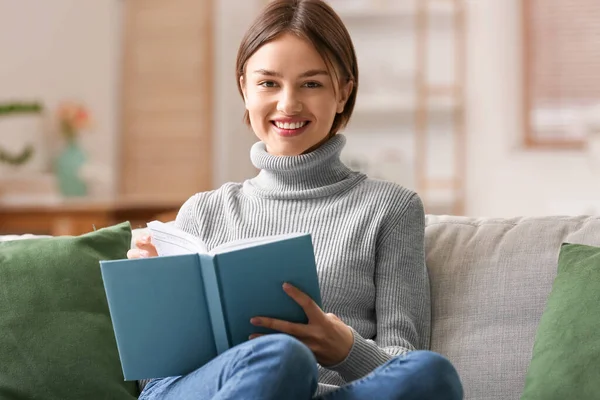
290	96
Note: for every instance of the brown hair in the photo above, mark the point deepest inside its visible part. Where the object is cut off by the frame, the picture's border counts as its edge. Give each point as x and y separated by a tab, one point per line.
316	22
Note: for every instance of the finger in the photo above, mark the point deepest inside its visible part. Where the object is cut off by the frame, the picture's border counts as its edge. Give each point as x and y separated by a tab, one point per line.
143	240
255	335
298	330
150	248
141	253
134	253
333	316
137	253
312	310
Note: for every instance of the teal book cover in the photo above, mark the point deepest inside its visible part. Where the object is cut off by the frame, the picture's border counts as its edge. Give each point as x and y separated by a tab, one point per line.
174	313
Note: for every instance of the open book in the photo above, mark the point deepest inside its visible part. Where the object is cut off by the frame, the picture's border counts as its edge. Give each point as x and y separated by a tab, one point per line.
174	313
171	241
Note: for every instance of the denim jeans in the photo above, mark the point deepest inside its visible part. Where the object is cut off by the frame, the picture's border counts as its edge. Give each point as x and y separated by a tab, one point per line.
280	367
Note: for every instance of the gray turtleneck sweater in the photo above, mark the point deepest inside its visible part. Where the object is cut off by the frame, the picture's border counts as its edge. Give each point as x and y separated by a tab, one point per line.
368	238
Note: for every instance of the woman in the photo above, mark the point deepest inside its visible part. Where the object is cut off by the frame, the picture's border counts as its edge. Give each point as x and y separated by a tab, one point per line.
297	73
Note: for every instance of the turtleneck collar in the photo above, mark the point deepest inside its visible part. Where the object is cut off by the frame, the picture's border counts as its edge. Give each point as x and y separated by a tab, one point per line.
316	174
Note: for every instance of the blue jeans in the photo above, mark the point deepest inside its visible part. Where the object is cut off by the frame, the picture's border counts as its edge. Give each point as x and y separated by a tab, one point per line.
279	367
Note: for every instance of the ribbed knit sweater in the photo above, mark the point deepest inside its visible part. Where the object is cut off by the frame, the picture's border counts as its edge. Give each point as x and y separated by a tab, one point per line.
368	237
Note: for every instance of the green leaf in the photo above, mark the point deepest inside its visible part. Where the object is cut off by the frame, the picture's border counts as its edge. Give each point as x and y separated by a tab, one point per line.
17	159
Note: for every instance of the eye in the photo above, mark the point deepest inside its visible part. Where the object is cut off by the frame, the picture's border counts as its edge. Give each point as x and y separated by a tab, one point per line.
267	84
312	85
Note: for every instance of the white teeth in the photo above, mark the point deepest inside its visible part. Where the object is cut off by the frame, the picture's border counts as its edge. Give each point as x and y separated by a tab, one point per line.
287	125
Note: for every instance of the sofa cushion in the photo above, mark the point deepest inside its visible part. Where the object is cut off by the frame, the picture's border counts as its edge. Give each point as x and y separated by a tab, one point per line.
8	238
490	279
567	345
56	339
135	234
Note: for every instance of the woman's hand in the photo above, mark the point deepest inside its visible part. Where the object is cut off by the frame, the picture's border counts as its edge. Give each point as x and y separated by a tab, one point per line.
325	334
145	248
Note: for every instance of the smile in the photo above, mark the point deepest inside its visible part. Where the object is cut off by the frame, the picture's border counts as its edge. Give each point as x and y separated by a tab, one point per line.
290	128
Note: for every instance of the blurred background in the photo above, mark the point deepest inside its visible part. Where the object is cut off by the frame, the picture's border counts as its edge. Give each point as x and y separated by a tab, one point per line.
122	109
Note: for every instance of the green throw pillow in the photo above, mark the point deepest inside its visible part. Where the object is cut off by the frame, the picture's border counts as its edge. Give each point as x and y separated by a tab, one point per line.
56	336
566	354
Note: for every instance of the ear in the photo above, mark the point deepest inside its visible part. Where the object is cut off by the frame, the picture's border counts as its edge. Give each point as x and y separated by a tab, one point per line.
344	94
243	87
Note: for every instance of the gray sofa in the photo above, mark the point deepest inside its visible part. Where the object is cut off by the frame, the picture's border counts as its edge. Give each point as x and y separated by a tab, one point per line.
490	279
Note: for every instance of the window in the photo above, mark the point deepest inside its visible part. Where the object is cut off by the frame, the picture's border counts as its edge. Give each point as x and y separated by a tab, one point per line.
561	70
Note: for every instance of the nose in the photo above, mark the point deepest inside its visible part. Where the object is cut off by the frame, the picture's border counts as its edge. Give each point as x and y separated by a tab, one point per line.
289	103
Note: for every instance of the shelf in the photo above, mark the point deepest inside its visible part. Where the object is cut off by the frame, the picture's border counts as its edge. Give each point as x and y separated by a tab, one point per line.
386	104
26	183
439	203
399	10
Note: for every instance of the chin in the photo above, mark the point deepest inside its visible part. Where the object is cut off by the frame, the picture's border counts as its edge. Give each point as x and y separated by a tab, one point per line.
292	145
290	152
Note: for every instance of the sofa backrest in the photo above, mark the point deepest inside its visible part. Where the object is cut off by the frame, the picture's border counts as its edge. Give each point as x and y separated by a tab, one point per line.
490	279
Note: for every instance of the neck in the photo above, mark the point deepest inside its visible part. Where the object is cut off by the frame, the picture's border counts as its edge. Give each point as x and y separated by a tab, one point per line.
313	174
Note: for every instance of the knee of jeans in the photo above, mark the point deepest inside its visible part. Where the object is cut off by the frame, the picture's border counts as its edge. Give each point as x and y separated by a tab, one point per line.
291	350
442	375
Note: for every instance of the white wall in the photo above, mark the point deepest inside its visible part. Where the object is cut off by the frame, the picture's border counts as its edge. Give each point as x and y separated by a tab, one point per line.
503	179
232	139
60	49
71	48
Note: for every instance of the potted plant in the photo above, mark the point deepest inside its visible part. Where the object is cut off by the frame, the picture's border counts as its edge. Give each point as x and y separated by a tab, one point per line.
73	120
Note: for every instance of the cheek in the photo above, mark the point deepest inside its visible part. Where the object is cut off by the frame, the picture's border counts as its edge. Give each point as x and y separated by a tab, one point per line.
258	111
325	109
256	105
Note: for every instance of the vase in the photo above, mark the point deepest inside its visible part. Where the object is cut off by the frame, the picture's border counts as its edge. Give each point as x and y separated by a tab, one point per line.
67	168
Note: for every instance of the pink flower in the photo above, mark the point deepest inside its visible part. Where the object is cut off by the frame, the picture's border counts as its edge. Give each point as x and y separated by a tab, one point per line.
73	117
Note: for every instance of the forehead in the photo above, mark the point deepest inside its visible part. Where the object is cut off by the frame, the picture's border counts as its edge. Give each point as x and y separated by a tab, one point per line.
287	54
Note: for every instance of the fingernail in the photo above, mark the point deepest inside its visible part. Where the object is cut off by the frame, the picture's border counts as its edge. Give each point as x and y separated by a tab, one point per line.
255	321
287	285
144	253
145	239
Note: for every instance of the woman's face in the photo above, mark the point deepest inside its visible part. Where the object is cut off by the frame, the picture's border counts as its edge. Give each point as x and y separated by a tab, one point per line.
290	97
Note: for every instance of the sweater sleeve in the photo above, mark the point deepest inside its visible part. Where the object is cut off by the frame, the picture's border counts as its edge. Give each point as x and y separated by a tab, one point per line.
187	217
402	303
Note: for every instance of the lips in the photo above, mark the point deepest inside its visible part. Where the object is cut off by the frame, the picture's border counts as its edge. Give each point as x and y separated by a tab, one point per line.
290	125
290	128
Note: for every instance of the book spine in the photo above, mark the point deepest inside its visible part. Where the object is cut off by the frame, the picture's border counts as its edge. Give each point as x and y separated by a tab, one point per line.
215	307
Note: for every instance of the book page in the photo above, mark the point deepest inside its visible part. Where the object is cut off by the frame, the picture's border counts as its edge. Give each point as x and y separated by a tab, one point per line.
251	242
171	241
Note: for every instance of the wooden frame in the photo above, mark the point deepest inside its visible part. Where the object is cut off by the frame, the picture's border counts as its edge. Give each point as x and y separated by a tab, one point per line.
530	139
424	91
172	187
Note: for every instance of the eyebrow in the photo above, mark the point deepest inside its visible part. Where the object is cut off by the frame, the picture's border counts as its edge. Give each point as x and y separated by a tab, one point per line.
307	74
